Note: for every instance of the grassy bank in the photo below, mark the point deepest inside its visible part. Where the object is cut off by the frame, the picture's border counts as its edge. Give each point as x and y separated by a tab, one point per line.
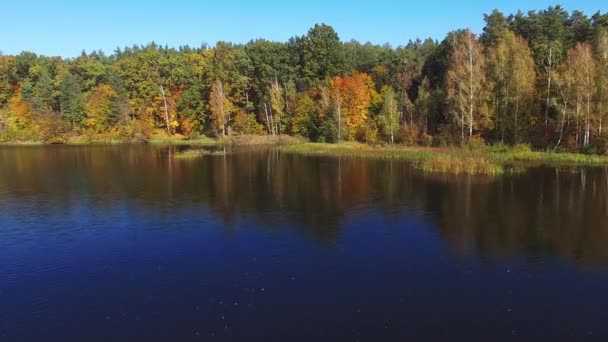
486	160
235	140
163	139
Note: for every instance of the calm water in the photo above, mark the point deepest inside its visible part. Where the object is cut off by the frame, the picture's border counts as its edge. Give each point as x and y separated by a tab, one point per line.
126	243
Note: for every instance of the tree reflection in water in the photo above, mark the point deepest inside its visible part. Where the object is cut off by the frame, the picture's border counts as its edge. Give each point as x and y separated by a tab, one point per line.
542	212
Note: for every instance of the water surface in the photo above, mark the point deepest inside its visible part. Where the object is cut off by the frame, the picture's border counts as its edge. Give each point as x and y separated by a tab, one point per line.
126	243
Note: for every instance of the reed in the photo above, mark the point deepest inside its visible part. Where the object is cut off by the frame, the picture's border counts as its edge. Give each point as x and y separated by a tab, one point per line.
483	160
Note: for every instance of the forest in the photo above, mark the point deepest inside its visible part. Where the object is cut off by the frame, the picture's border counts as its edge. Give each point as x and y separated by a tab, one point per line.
538	78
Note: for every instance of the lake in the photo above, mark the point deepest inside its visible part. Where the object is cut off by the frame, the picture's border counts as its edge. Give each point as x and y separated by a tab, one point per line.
126	243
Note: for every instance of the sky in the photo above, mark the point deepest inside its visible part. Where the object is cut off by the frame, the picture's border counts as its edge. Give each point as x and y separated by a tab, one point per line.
66	27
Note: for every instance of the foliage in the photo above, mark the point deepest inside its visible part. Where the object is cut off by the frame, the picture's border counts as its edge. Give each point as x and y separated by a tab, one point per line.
536	77
466	85
220	107
389	115
354	93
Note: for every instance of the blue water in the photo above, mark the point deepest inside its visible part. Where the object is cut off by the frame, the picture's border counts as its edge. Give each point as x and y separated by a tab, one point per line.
128	244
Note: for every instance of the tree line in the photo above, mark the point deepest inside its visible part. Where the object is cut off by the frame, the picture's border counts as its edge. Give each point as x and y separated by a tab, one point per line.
539	78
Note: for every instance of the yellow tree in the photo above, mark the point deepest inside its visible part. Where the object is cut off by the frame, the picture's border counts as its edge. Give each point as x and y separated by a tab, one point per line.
602	77
220	107
20	111
99	108
523	82
512	76
563	80
583	66
466	88
277	105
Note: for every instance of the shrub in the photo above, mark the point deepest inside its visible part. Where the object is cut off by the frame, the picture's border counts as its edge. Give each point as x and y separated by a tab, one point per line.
601	142
410	134
591	149
53	129
188	128
476	143
499	147
522	148
426	140
370	133
445	137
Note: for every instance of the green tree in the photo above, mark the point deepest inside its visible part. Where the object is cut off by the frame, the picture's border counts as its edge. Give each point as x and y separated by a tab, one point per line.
496	24
321	54
390	115
71	100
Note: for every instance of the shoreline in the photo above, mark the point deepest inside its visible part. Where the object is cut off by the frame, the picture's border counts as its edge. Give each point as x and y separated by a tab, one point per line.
239	140
481	160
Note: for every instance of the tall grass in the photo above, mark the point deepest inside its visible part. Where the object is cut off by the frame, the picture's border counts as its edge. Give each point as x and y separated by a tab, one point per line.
459	165
197	153
202	141
478	160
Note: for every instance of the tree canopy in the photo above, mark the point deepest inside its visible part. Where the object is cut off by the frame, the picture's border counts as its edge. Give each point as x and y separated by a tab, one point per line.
539	77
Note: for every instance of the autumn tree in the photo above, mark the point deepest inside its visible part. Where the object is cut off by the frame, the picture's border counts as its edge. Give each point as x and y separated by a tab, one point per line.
423	103
220	107
582	63
565	96
99	108
192	108
277	106
512	76
356	92
466	85
602	76
529	72
18	116
306	121
576	83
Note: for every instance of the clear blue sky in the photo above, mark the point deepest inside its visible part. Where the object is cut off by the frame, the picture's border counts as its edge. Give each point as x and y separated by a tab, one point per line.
66	27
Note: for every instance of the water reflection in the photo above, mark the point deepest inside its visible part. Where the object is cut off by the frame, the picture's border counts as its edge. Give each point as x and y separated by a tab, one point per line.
544	212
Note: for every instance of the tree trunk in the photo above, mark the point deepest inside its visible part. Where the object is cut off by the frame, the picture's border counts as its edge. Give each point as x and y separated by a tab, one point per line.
505	106
274	131
587	129
167	124
578	129
462	126
561	129
339	122
222	113
515	123
267	119
471	98
549	70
